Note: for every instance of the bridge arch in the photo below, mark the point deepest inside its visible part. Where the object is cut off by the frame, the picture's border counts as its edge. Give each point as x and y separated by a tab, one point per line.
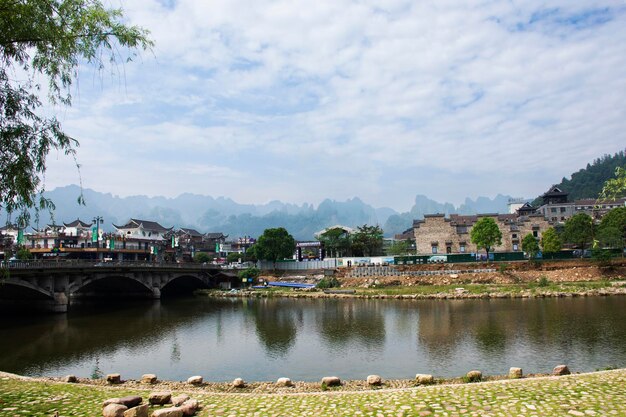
106	285
10	286
184	283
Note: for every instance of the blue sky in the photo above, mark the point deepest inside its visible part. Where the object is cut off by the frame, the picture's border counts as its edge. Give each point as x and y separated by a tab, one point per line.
299	101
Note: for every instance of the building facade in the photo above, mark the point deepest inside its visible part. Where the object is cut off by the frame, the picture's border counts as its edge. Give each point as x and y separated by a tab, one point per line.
438	234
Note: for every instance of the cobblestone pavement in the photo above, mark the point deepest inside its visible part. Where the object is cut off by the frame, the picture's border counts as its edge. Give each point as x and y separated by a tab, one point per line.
595	394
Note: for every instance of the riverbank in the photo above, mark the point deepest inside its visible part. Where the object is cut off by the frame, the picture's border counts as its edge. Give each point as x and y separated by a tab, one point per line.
443	292
594	394
573	278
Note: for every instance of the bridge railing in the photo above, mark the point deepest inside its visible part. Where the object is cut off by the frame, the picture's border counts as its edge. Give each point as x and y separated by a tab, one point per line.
81	263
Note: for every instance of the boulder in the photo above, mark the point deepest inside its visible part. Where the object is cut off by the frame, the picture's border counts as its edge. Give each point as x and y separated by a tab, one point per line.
195	380
474	376
168	412
284	382
114	378
70	378
374	380
139	411
160	398
112	401
179	399
131	401
331	381
424	379
149	379
561	370
239	383
189	407
114	410
515	373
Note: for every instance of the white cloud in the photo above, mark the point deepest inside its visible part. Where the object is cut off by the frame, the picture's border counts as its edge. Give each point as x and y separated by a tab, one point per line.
334	96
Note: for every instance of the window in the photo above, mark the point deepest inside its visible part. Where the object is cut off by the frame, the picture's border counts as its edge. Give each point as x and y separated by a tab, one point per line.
462	248
514	235
562	209
448	249
515	247
553	210
434	249
535	233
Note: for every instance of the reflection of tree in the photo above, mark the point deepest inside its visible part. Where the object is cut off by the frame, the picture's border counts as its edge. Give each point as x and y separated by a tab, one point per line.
275	327
490	336
340	322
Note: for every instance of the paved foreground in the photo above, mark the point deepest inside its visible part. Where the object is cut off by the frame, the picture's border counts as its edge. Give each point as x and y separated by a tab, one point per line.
594	394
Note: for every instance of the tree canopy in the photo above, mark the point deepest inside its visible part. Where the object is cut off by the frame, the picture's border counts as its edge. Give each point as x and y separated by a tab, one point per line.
367	241
48	40
550	241
336	242
486	234
530	246
615	187
275	244
579	230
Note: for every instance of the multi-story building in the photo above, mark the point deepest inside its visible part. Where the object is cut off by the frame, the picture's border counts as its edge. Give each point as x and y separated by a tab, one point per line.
437	233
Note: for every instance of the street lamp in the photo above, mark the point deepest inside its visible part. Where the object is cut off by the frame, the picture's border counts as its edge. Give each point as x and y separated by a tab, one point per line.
97	220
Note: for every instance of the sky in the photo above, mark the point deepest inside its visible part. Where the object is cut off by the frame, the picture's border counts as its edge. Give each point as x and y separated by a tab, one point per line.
301	101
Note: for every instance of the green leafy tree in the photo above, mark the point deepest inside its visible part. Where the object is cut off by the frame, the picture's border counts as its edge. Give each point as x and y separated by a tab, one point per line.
336	242
23	254
233	257
615	218
486	234
275	244
399	247
47	40
249	273
579	230
615	187
610	237
530	246
202	257
550	241
367	241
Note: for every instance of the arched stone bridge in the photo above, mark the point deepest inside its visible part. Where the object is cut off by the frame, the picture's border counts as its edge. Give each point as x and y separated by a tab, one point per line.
52	286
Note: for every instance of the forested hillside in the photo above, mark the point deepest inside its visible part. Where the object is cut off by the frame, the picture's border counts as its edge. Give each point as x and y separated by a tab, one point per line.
588	182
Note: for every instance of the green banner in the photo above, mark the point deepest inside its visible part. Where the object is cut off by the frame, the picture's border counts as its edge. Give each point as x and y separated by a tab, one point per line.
173	241
94	234
20	237
112	243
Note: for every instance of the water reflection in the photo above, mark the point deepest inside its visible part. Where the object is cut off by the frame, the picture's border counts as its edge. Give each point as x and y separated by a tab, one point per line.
276	324
259	338
340	323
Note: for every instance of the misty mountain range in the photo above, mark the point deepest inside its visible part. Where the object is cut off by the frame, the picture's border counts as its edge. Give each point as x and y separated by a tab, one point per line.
209	214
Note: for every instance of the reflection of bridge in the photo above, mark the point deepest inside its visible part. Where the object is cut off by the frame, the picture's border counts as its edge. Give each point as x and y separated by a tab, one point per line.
51	286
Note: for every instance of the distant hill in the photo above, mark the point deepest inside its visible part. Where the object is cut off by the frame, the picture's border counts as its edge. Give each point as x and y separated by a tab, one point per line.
588	182
209	214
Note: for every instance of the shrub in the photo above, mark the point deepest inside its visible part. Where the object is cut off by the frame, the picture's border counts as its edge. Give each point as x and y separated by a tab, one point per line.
328	282
249	273
543	281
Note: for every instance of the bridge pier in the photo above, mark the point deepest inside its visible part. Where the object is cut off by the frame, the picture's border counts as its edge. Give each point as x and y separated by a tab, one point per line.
59	303
156	293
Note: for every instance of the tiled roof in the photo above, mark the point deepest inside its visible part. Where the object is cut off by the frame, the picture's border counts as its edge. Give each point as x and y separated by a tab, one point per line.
147	224
77	223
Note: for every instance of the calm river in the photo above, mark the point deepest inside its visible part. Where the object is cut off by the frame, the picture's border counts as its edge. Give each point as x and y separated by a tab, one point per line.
306	339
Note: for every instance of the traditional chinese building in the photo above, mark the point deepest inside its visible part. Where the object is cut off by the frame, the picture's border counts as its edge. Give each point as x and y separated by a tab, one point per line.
437	233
